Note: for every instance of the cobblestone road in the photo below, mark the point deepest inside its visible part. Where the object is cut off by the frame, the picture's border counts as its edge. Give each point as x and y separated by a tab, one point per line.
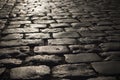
60	39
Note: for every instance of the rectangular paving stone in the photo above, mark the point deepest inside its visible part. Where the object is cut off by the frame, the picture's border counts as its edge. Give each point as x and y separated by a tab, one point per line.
62	41
14	26
43	21
44	59
72	70
113	32
89	40
10	61
92	34
66	20
84	48
12	36
110	53
78	25
66	35
110	46
52	30
82	57
103	78
104	23
113	38
107	68
101	28
51	49
37	36
29	72
36	25
60	16
59	25
21	30
22	42
14	50
20	22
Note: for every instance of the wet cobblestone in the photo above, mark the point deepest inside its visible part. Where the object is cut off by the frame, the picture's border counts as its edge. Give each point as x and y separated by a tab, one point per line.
60	39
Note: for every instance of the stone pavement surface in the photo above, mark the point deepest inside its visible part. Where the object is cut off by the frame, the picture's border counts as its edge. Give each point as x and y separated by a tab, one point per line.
60	39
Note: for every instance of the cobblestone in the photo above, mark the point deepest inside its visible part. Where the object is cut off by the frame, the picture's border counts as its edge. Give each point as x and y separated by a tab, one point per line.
12	36
103	78
44	58
60	25
66	35
20	30
21	42
82	57
14	50
110	46
72	70
51	49
37	36
29	72
62	41
59	39
107	68
10	62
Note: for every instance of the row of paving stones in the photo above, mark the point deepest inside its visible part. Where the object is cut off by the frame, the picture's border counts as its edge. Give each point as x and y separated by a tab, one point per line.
60	40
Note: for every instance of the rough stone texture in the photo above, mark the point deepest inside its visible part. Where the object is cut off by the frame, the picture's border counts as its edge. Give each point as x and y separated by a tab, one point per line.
12	36
20	42
75	39
20	30
36	26
107	68
44	58
72	70
62	41
82	57
10	61
110	46
60	25
29	72
16	51
51	49
37	36
103	78
66	35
